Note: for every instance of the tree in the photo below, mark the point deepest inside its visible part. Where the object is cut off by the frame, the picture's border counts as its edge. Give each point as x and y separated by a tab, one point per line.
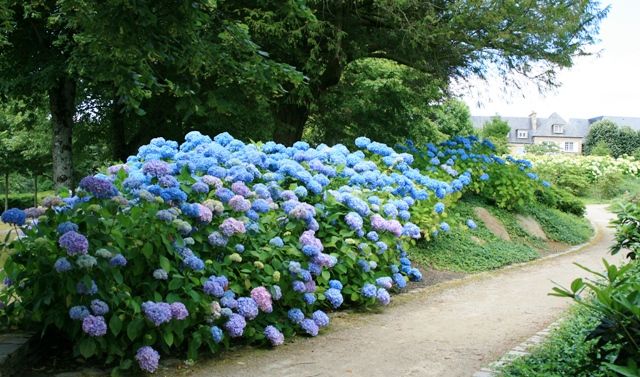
447	40
128	58
497	130
453	118
618	140
546	147
600	149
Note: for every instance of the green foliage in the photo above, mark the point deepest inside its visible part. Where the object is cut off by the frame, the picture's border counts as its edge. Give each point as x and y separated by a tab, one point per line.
545	147
26	200
608	186
561	199
607	138
497	131
627	225
566	352
477	250
560	226
453	118
380	99
615	296
600	149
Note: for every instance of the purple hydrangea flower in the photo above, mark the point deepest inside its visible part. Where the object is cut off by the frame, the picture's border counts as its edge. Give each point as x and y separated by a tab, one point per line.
213	287
383	296
320	318
262	297
156	168
75	243
274	335
94	325
247	307
99	307
157	312
147	359
239	203
309	326
299	286
179	311
99	188
235	325
231	226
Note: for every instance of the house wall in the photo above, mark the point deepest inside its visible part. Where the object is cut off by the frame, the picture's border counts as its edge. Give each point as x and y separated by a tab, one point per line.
577	142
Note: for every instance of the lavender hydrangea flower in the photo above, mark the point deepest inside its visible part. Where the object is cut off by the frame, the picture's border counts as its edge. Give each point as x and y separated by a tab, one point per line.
157	312
216	334
274	335
309	326
99	307
262	297
179	311
354	221
147	359
156	168
247	307
62	265
235	325
14	216
383	296
75	243
231	226
99	188
320	318
239	203
384	282
94	325
78	312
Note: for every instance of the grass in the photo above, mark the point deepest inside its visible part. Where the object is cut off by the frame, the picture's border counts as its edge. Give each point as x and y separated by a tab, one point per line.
566	352
628	187
462	250
560	226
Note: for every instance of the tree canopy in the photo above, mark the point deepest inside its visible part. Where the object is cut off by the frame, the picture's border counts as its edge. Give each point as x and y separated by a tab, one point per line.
607	136
129	71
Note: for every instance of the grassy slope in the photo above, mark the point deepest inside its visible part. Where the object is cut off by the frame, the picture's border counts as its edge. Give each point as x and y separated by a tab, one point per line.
462	250
564	353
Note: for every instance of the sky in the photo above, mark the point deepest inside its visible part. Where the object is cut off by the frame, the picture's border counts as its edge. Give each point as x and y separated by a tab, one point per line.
608	84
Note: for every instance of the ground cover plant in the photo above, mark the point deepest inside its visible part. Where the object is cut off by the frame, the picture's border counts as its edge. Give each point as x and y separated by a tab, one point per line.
215	241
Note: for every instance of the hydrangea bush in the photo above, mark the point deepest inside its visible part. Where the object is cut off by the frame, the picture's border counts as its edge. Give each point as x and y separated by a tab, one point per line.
195	246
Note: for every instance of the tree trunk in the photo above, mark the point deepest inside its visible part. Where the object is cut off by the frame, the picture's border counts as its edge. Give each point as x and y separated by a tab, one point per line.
35	189
62	105
6	191
118	132
290	121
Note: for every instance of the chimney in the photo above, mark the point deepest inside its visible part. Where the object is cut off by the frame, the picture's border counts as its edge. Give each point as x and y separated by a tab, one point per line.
534	120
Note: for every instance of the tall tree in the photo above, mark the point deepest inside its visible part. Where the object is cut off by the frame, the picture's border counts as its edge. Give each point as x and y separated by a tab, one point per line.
124	55
447	40
497	130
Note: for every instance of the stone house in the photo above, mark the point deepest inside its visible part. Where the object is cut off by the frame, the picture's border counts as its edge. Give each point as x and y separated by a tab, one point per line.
568	135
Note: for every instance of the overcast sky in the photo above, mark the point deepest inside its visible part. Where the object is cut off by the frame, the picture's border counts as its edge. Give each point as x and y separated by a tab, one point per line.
604	85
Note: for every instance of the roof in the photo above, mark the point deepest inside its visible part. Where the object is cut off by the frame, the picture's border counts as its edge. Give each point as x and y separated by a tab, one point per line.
574	128
632	122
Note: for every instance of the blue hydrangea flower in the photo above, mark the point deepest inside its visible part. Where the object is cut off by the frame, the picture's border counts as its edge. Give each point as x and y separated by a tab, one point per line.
295	315
309	298
62	265
67	226
335	284
99	307
309	326
369	290
118	260
320	318
216	334
78	312
14	216
334	296
235	325
247	307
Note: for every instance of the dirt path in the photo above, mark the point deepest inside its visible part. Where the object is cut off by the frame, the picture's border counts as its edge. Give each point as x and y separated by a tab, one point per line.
450	330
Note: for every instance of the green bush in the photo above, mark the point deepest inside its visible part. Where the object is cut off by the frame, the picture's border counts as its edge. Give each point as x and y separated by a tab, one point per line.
609	185
560	226
566	352
25	200
615	296
562	200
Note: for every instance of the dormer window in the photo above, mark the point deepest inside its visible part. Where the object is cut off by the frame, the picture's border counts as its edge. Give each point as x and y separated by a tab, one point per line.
522	134
558	129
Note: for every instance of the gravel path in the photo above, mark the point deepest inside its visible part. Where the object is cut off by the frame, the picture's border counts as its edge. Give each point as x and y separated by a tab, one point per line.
452	329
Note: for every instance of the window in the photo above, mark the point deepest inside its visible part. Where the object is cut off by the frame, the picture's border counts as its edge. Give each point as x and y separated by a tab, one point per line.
568	146
521	134
557	129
